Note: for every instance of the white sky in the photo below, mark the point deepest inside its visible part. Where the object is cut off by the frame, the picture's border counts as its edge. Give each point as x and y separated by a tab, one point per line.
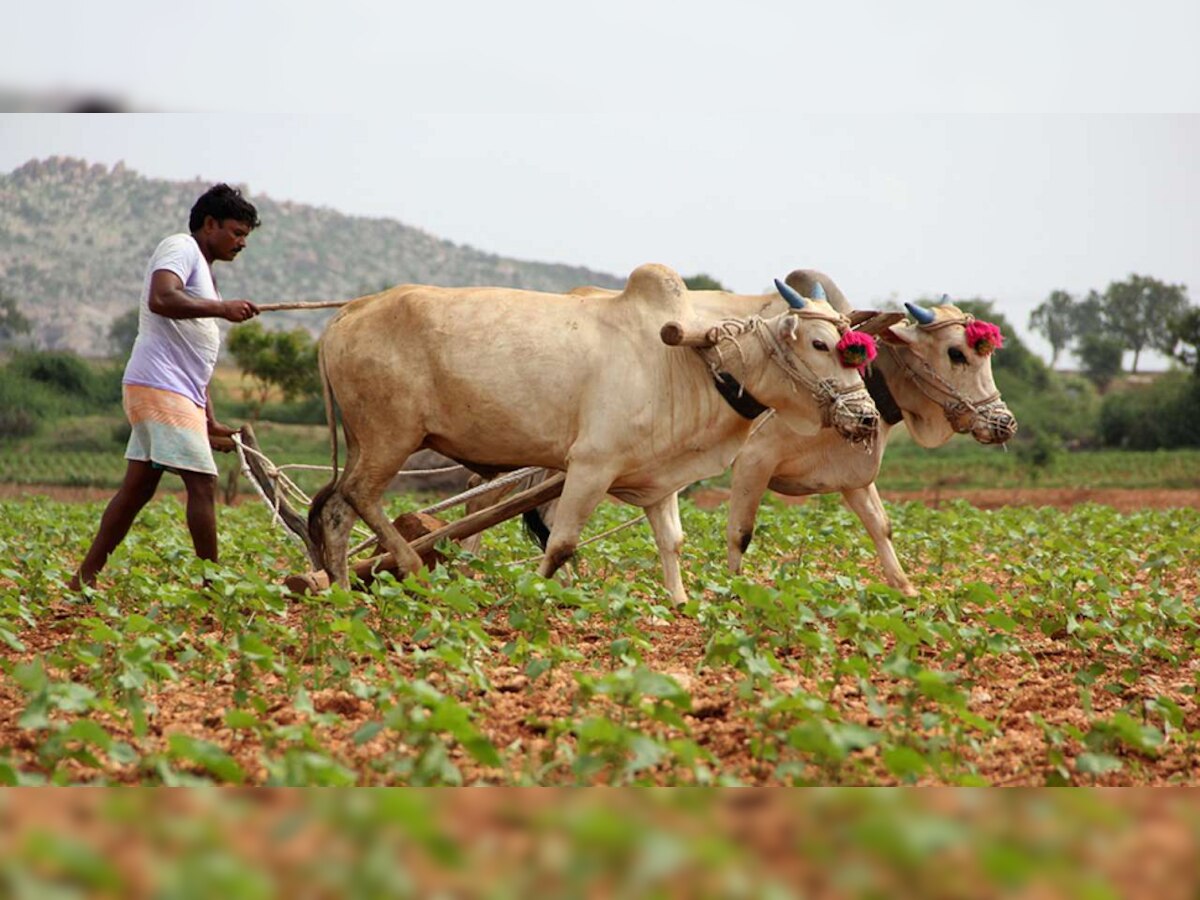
906	149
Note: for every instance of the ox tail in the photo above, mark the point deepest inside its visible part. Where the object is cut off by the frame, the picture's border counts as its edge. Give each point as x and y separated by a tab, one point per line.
535	526
315	532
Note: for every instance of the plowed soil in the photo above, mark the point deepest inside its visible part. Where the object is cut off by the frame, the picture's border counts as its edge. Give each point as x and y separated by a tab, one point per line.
518	714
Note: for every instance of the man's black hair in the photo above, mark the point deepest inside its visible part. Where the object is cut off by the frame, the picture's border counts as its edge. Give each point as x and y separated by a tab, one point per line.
223	202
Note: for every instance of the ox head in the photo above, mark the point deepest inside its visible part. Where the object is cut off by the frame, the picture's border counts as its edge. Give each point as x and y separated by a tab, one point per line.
945	359
791	362
809	344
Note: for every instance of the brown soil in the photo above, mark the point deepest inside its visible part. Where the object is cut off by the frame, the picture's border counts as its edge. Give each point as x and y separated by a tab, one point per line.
1124	500
1015	693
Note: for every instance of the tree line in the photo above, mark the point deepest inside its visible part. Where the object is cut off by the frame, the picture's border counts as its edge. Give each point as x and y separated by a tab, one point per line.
1139	313
1056	409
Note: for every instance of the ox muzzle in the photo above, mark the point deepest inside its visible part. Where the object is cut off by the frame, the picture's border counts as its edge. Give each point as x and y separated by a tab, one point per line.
991	423
852	414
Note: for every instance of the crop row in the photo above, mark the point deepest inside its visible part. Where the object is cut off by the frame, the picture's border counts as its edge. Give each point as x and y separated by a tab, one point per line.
1044	647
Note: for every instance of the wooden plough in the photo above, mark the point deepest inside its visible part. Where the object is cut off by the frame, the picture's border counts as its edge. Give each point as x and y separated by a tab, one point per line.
421	530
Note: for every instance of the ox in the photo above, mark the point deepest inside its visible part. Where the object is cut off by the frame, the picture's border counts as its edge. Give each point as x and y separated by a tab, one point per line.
934	375
498	378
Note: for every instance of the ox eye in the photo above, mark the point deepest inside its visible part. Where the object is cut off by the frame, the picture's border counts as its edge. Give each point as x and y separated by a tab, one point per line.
821	345
957	357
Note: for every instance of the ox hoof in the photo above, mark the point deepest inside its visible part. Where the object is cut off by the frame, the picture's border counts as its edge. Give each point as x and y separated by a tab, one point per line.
308	583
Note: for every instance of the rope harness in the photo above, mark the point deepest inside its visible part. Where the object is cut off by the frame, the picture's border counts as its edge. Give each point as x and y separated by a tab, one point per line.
284	483
961	412
833	401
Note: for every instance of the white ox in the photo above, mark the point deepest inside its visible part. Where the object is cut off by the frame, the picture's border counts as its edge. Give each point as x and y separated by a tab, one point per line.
499	379
926	374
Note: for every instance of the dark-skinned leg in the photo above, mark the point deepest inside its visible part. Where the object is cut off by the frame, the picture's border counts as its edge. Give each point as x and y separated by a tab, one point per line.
141	481
202	512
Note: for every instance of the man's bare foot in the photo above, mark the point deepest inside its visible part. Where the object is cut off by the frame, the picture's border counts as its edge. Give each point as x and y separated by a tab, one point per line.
78	583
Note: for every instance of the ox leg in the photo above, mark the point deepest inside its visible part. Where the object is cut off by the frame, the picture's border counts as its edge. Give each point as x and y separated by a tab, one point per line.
582	492
668	534
335	520
750	479
868	506
363	487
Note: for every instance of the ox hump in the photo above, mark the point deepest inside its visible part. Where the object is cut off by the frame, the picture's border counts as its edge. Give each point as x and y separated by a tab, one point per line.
657	285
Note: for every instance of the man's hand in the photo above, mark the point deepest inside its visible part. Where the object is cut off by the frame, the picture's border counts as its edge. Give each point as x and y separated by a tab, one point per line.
238	310
220	437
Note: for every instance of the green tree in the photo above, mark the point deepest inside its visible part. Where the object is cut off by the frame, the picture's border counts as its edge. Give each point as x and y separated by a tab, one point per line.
12	322
123	332
1100	355
1185	329
1087	318
1053	319
703	282
1139	310
286	360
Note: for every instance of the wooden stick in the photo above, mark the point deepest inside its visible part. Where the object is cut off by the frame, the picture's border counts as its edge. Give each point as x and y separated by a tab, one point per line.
300	304
674	334
315	582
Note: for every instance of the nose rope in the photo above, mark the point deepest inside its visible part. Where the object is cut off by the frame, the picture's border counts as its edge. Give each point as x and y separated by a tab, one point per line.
928	382
833	401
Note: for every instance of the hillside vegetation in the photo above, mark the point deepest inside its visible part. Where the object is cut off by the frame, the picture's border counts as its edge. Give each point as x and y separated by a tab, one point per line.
75	238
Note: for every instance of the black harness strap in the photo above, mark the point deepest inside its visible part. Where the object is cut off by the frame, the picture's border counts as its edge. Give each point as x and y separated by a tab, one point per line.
742	401
882	395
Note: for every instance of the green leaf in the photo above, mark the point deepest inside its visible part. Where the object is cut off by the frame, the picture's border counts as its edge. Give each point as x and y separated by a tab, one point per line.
1000	621
904	762
1097	764
207	756
240	718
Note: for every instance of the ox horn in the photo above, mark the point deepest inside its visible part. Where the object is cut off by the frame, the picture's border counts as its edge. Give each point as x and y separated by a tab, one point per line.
923	316
790	294
818	292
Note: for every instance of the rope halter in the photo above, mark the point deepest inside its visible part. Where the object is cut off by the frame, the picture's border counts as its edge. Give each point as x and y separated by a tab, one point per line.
849	410
966	416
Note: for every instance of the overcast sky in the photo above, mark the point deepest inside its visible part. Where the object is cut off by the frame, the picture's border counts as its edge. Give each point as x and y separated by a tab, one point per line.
907	149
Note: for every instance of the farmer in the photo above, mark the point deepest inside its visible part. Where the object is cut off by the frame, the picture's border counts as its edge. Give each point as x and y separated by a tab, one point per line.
165	387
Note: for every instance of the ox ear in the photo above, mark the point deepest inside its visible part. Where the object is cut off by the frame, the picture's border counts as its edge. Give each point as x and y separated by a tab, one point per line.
871	322
899	333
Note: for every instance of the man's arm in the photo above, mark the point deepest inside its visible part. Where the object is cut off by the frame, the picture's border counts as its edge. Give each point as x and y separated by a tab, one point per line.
219	436
168	298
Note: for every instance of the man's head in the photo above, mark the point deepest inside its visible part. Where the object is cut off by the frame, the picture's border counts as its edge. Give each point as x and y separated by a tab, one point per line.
221	220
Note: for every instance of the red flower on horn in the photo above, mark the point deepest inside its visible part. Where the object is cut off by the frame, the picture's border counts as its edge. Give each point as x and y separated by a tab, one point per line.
856	349
984	337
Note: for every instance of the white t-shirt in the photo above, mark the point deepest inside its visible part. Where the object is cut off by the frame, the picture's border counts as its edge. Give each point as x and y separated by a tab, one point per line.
176	354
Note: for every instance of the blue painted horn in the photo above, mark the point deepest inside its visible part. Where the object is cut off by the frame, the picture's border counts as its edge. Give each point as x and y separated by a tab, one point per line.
788	293
923	316
818	291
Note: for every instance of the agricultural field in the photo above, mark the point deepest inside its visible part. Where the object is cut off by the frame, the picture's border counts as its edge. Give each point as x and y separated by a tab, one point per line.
1046	646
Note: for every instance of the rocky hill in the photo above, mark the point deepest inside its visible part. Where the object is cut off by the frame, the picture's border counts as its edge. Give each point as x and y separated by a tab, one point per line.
75	238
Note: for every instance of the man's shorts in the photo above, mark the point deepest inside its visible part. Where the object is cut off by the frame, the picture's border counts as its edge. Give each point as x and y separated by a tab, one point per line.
169	430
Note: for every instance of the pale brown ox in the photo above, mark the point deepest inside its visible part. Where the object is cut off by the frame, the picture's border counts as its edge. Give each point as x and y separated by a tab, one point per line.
499	378
925	376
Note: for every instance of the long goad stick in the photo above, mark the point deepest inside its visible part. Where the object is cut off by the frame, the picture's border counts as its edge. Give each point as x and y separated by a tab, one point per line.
300	304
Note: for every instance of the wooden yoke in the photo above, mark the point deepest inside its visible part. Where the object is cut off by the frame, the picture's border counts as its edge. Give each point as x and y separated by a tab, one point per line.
673	334
315	582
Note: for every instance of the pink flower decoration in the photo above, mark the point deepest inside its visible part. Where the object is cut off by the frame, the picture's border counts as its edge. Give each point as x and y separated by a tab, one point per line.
984	337
856	349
